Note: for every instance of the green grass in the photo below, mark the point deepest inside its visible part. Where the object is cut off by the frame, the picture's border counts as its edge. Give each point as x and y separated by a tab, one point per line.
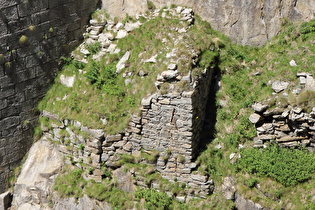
287	166
100	93
241	87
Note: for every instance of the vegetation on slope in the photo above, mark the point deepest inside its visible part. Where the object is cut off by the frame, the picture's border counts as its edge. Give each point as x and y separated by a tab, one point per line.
99	94
245	75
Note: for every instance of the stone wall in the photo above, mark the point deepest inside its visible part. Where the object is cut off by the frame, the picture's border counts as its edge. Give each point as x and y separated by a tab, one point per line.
33	36
290	120
246	22
167	132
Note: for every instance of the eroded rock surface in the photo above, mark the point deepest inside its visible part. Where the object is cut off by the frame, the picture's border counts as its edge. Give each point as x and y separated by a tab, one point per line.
246	22
35	182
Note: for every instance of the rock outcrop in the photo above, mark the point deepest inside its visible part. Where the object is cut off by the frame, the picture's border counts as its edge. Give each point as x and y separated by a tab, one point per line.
246	22
33	187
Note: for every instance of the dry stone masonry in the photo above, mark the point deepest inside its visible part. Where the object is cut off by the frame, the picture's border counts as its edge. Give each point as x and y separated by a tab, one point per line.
291	126
33	36
167	132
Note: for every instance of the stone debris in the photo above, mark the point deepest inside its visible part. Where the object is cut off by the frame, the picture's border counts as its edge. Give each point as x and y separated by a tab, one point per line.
259	107
255	118
151	60
293	63
132	26
122	63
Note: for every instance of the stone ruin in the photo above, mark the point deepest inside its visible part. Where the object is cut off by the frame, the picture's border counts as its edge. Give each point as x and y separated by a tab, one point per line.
291	126
169	126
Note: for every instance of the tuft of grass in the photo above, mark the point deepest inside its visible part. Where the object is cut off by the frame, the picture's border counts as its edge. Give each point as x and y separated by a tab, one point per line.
23	39
31	28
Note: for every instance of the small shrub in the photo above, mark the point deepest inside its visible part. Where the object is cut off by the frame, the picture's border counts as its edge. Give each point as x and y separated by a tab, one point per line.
31	28
153	199
81	146
307	27
251	182
181	158
278	193
94	48
287	166
23	39
2	59
70	184
151	157
127	159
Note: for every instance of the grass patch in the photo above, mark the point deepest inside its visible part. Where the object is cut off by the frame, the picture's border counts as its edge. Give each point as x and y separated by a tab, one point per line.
287	166
100	93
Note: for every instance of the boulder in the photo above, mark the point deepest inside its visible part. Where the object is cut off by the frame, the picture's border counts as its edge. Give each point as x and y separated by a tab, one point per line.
131	26
172	66
122	63
167	75
121	34
258	107
310	83
279	86
242	203
228	188
255	118
292	63
34	184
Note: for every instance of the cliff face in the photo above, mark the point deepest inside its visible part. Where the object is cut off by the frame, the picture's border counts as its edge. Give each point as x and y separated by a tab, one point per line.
247	22
33	36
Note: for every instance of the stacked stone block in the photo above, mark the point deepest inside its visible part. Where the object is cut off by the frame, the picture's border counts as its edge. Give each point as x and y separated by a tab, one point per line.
169	126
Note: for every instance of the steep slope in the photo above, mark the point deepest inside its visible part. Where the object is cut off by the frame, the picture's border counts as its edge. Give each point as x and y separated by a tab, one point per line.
246	22
246	76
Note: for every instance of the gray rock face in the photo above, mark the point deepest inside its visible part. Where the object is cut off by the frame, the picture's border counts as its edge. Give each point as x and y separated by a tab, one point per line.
81	204
35	182
228	188
241	203
246	22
